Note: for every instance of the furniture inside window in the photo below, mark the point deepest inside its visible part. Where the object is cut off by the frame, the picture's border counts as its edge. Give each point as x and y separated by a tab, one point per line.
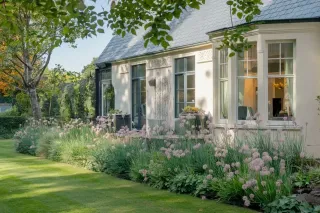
247	83
280	80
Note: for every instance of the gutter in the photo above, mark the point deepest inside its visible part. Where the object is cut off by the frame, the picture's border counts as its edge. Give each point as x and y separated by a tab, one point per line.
278	21
155	53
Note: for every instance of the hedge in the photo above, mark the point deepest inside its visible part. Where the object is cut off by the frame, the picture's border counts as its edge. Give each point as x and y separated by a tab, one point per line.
9	124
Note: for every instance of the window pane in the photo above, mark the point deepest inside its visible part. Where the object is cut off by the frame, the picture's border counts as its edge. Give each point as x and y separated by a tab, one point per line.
247	98
143	97
242	68
287	50
134	71
252	52
286	66
106	75
274	67
179	96
274	50
179	81
191	95
252	68
142	70
223	99
241	55
191	81
179	109
179	65
191	63
280	98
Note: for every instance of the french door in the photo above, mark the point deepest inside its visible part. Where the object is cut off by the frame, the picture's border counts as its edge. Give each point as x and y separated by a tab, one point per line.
138	96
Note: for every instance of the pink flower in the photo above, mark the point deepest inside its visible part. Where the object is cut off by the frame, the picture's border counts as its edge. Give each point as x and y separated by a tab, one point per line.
209	177
302	155
251	196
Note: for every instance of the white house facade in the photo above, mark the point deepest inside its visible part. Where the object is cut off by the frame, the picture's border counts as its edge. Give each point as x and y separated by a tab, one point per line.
278	77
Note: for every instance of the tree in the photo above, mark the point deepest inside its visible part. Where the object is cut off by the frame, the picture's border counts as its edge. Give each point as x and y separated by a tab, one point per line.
32	29
126	16
53	82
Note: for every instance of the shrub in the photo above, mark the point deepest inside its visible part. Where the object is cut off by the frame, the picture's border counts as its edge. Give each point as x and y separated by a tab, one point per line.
45	142
9	125
28	137
185	183
288	205
119	157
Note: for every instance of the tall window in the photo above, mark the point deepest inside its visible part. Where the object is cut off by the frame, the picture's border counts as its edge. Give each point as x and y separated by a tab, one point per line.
139	93
184	83
223	83
280	80
105	84
247	83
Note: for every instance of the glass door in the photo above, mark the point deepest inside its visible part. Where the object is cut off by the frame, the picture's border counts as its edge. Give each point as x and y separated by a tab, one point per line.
138	96
105	105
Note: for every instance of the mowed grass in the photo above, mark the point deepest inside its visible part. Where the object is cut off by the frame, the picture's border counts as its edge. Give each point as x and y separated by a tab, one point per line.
31	185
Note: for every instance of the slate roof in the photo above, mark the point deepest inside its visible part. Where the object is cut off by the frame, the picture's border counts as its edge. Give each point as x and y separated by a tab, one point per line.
193	25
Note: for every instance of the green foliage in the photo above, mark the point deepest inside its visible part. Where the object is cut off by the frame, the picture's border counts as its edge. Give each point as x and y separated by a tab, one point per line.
301	179
23	103
13	112
288	205
119	159
251	170
9	125
155	17
45	141
110	96
28	137
185	183
229	190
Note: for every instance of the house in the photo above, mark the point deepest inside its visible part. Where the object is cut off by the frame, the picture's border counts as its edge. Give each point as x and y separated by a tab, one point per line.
279	76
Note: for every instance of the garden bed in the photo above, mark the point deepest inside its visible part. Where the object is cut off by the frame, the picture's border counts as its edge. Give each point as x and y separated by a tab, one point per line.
251	170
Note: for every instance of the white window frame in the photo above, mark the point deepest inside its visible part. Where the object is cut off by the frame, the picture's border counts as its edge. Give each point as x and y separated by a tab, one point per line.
223	120
293	76
185	74
236	58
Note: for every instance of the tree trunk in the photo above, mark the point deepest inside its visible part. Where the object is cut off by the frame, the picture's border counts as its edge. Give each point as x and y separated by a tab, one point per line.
36	111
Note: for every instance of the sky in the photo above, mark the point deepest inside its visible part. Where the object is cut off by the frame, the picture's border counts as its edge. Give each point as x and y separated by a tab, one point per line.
74	59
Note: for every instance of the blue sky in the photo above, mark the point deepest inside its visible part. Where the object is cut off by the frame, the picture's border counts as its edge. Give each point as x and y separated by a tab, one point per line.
74	59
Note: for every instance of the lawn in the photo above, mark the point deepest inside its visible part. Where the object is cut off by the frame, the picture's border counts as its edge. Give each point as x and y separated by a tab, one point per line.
30	185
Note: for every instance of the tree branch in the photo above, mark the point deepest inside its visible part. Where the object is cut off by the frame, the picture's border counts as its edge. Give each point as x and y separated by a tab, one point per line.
43	68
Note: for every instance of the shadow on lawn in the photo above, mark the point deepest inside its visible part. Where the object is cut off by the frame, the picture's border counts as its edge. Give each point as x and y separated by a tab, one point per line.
94	192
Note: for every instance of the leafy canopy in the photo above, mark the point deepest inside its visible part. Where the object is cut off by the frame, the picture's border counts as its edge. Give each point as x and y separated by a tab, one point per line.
127	16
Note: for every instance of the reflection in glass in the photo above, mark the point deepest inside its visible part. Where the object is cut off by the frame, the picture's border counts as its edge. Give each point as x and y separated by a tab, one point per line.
247	98
223	99
190	63
280	98
274	50
274	67
286	50
191	81
191	95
